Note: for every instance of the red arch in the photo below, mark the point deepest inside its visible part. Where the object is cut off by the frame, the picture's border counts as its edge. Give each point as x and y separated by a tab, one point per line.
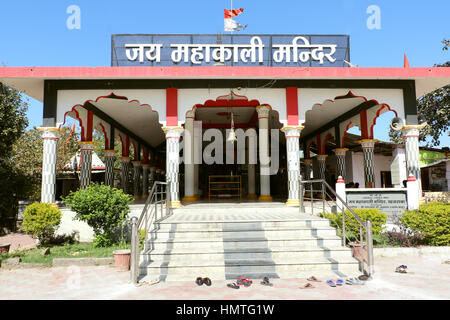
378	115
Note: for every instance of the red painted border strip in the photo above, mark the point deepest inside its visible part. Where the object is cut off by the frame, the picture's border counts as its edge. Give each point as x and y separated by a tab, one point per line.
292	106
364	127
172	107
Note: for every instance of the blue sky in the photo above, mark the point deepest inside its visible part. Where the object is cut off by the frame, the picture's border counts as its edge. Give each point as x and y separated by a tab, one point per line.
34	33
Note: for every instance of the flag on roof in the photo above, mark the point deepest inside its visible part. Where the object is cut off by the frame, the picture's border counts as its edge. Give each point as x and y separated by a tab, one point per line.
229	23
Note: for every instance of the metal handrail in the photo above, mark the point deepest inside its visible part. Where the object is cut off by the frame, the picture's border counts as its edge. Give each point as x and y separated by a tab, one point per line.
365	229
149	215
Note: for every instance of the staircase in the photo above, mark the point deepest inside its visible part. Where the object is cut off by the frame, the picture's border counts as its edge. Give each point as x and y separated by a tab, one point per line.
227	240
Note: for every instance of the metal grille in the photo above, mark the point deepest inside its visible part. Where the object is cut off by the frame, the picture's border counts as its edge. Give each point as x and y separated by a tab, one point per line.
119	59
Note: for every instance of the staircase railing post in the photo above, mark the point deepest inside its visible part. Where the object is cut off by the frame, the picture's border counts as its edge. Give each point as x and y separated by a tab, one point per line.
301	207
167	198
343	226
323	197
369	247
134	250
312	205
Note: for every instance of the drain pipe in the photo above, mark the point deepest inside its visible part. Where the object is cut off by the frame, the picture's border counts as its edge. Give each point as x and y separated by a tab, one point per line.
369	247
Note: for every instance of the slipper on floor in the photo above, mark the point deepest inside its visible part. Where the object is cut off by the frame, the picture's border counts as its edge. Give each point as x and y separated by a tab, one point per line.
199	281
363	277
207	281
240	281
339	282
331	283
307	286
312	278
266	282
247	282
354	281
233	286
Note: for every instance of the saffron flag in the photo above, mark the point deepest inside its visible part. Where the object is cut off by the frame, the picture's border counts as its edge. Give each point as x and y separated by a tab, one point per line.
229	23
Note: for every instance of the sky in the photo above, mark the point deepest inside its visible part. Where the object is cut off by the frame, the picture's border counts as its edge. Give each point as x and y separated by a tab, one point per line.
34	33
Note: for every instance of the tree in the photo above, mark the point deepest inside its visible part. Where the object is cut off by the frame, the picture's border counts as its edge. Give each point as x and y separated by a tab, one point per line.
434	107
13	122
27	158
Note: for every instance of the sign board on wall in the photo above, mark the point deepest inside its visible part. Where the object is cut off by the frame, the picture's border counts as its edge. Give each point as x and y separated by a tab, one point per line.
230	50
390	201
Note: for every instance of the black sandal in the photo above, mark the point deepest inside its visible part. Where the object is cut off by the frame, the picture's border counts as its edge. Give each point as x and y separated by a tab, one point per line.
233	286
199	281
207	281
266	282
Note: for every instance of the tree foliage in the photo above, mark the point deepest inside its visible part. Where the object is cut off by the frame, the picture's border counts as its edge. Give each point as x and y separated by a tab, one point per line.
434	107
27	157
13	122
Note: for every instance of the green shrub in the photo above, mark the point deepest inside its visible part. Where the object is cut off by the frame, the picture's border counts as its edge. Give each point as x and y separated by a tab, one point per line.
432	221
103	208
41	220
377	218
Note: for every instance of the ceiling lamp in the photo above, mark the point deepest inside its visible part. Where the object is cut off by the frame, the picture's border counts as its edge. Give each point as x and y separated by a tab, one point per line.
232	134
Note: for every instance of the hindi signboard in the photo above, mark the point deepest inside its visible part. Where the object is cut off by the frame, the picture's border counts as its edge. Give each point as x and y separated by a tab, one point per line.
391	201
230	50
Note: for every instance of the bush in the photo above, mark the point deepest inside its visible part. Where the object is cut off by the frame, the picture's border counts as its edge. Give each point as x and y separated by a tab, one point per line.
431	221
41	220
103	208
377	218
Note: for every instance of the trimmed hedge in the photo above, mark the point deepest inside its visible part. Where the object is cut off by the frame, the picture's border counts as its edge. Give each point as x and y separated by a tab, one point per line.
377	218
432	221
41	220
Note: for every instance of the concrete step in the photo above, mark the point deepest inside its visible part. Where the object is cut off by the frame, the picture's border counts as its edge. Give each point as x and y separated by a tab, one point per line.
277	254
242	266
299	242
242	225
245	234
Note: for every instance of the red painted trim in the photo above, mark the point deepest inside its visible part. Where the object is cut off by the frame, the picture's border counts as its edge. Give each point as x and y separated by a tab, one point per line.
89	125
135	150
345	133
378	115
308	150
172	107
145	155
325	142
219	72
105	135
292	106
363	120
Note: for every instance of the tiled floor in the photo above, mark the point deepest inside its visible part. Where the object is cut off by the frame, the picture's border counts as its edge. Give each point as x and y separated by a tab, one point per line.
429	279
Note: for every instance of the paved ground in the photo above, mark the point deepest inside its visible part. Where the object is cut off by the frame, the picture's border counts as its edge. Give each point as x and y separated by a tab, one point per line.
18	241
430	279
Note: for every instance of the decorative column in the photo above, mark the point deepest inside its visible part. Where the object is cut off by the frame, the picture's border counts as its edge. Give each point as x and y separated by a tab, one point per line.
411	137
198	145
173	135
109	167
308	168
50	135
263	124
368	146
87	147
145	170
189	166
251	165
322	158
152	177
136	178
340	162
292	134
125	169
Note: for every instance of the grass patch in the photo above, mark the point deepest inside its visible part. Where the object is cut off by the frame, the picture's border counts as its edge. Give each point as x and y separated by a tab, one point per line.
79	250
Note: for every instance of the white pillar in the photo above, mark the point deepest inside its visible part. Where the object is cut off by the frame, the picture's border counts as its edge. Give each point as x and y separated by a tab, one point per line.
398	166
264	165
340	191
251	165
136	178
124	174
292	134
173	135
50	135
189	166
340	162
412	193
86	150
198	145
411	137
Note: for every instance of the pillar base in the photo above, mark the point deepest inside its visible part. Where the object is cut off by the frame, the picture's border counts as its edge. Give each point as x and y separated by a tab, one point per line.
136	197
197	196
265	197
421	201
252	196
293	203
189	198
175	204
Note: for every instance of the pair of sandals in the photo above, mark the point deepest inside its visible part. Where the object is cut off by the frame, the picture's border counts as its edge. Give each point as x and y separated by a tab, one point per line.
246	282
338	282
354	281
309	285
401	269
200	281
